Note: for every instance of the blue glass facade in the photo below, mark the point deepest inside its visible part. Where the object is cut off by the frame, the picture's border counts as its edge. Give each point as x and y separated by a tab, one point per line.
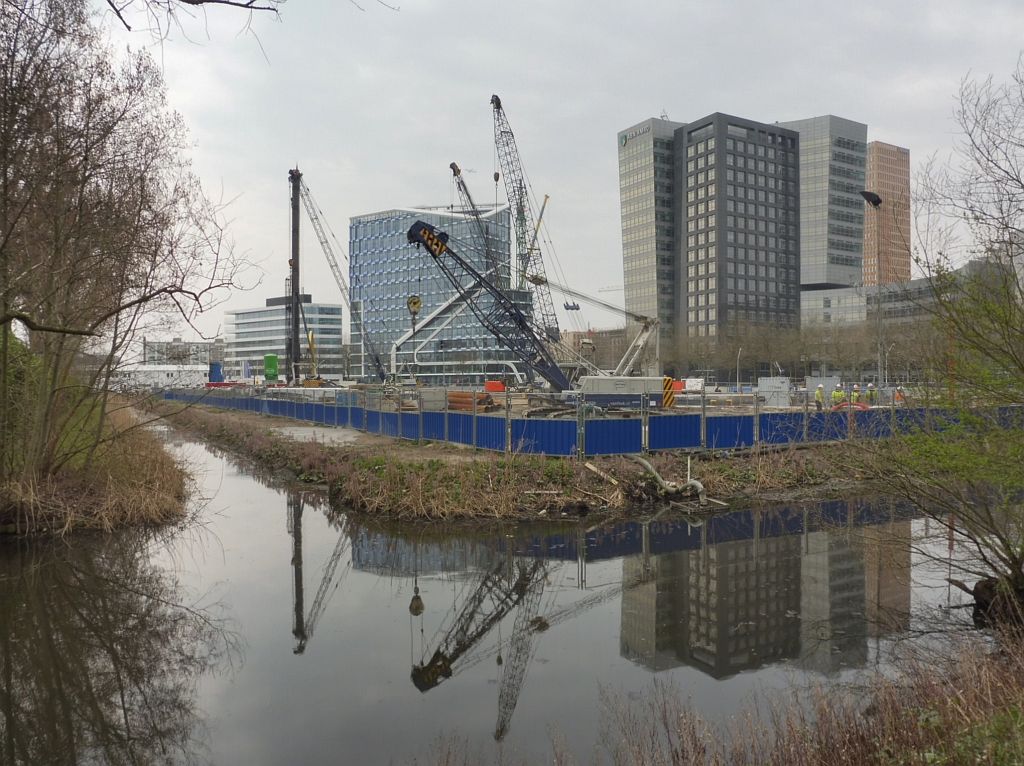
449	344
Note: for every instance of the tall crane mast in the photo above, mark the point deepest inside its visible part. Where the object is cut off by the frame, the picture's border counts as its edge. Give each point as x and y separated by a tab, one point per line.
529	261
300	190
294	350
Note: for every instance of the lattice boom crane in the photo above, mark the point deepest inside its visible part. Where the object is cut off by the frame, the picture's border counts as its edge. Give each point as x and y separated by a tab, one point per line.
528	255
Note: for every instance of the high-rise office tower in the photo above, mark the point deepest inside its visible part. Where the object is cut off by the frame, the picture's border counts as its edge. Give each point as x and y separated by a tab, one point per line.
710	225
887	228
833	155
647	202
742	237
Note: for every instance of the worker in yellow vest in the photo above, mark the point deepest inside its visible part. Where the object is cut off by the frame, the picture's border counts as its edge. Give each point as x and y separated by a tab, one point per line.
819	397
855	396
872	395
838	395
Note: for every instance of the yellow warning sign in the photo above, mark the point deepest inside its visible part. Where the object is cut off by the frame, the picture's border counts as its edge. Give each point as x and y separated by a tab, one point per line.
668	395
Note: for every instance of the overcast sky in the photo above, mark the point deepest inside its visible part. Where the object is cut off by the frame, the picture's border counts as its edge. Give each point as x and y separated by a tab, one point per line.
372	105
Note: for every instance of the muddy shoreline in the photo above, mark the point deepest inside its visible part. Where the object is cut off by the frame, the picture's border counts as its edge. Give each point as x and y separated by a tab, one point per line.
386	478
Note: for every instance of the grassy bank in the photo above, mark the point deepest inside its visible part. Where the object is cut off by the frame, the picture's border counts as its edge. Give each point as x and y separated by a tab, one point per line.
130	480
433	481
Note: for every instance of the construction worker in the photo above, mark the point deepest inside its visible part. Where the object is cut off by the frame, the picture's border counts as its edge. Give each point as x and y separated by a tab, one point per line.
899	398
819	397
855	395
838	395
872	395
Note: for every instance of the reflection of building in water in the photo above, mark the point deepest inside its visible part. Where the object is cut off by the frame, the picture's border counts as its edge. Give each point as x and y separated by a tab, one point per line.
832	633
887	578
855	584
738	604
724	608
378	552
652	610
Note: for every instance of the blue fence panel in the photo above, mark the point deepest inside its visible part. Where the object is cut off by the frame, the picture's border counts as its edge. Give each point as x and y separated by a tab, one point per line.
827	426
460	428
490	432
547	437
872	424
433	426
410	422
371	421
357	418
673	432
613	437
730	431
389	424
1010	417
318	414
781	427
909	420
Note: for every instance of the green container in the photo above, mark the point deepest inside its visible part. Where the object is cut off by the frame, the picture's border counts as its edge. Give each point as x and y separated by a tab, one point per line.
270	368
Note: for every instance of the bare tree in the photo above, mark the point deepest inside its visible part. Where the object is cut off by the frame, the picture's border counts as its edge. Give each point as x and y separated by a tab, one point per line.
102	225
962	464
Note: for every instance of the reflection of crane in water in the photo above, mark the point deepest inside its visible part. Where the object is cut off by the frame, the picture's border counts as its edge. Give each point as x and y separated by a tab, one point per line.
493	598
303	625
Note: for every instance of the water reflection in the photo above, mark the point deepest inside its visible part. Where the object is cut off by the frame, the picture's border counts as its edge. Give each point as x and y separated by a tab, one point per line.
331	576
810	595
100	657
738	592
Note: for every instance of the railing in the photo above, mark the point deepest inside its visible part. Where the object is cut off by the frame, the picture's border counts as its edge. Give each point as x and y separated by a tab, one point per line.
581	430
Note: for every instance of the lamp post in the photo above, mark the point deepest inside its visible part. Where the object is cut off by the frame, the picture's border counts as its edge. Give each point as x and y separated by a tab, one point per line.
876	203
738	352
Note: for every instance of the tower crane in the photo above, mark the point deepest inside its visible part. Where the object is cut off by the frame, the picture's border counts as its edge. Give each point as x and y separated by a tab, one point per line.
528	255
299	186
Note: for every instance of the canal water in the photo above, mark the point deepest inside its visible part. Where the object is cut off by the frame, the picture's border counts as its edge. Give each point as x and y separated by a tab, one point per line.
272	631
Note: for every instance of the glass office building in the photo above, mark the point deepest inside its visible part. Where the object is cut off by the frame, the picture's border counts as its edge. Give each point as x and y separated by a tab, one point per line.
833	155
446	343
249	334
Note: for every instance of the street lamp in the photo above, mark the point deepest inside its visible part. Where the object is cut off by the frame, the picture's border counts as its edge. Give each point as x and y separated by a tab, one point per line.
738	352
876	203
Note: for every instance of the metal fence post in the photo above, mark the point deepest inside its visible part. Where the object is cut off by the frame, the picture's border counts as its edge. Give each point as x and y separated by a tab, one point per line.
757	418
445	391
645	423
581	427
703	418
474	420
806	414
419	407
508	422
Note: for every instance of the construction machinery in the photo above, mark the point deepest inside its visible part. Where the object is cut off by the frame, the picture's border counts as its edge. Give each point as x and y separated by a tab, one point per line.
529	260
503	318
648	325
300	191
506	320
